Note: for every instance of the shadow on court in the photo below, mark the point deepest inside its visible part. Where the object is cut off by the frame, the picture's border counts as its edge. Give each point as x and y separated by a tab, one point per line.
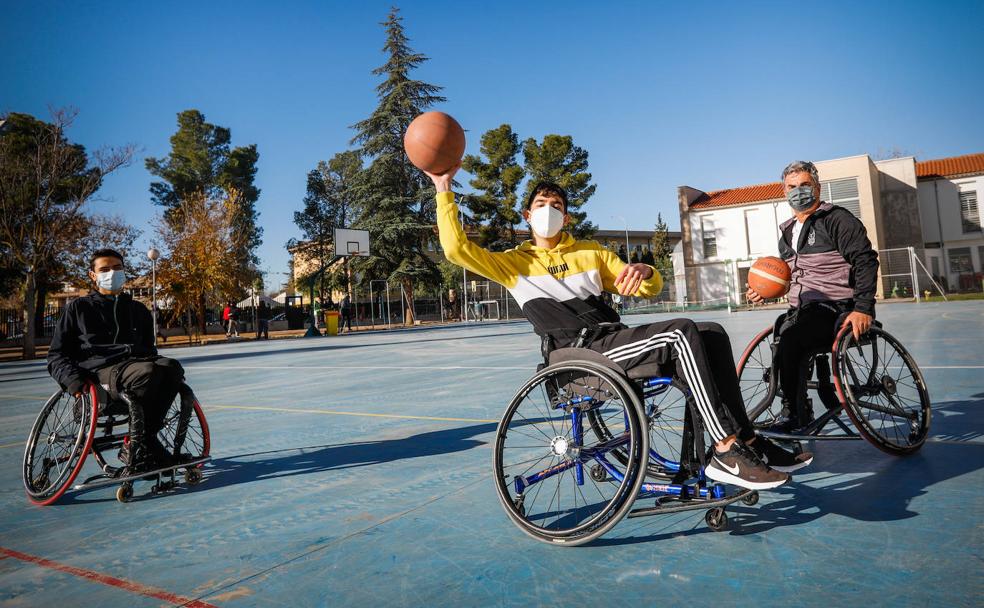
259	466
856	481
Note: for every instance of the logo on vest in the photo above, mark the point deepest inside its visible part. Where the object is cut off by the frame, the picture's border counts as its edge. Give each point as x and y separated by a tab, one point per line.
812	239
557	269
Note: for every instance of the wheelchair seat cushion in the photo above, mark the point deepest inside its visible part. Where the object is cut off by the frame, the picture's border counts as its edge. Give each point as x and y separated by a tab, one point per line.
563	355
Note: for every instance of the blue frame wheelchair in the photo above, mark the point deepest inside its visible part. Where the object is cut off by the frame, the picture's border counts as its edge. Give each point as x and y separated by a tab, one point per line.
874	381
582	442
68	428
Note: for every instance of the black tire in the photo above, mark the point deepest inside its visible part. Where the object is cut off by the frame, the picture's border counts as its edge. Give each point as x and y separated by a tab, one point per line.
891	409
58	444
534	437
665	408
757	380
717	519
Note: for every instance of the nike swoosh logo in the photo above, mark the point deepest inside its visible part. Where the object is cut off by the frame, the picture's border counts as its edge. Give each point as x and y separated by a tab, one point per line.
733	470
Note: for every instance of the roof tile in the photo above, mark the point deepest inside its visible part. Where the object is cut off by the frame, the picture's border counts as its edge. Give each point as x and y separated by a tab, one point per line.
954	166
739	196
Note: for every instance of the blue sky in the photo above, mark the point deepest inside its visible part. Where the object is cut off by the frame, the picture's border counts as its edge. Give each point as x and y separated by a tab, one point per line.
711	95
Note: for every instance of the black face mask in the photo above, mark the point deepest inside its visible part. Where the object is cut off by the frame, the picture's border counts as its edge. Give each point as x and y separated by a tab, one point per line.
801	199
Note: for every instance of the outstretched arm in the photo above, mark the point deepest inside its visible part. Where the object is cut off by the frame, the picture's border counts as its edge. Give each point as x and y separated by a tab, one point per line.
457	248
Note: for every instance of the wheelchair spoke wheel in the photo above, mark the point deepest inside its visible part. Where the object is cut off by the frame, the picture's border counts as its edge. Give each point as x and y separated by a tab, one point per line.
665	408
185	431
757	381
59	442
883	390
547	456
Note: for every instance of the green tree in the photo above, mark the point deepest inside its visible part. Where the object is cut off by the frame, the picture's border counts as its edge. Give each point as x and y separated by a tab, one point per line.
557	159
662	252
45	183
203	165
496	208
396	201
328	204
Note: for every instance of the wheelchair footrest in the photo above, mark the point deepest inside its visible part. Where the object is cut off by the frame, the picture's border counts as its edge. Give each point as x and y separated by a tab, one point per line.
691	504
105	480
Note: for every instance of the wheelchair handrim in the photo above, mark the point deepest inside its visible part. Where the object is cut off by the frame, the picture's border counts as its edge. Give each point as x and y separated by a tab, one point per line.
622	499
32	441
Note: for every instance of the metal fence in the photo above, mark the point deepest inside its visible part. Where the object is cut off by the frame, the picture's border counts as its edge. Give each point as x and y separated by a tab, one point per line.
12	323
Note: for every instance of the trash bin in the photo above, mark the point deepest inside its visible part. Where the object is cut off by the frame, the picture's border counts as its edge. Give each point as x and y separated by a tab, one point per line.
331	322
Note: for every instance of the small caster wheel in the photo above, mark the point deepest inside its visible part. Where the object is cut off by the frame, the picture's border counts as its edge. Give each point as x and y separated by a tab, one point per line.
751	498
193	476
518	503
598	473
124	493
716	519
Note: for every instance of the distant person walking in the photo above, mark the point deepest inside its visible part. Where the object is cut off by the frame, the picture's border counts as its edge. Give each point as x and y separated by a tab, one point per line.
230	314
346	310
263	321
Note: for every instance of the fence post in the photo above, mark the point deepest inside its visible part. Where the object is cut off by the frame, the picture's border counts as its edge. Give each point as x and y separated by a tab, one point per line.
915	275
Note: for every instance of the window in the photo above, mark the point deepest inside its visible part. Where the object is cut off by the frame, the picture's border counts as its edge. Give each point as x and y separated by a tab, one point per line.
843	192
935	261
760	232
709	237
960	261
969	216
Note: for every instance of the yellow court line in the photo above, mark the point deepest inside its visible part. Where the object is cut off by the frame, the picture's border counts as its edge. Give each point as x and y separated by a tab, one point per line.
338	413
12	445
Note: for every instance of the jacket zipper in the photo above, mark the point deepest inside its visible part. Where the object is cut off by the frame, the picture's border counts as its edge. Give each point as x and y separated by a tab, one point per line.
116	301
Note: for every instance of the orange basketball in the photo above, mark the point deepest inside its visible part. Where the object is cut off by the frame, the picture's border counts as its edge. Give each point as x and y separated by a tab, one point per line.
434	142
769	277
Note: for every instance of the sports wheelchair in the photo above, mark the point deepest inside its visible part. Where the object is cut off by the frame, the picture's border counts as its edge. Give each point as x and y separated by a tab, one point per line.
69	428
874	381
582	441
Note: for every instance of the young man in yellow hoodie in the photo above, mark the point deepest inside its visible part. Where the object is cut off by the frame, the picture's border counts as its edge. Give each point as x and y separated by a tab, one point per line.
558	281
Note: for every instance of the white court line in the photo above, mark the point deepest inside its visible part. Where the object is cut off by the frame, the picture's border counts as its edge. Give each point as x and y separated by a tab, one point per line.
529	368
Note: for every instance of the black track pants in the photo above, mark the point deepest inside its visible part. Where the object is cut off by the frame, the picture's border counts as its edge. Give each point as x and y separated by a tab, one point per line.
152	383
697	353
802	332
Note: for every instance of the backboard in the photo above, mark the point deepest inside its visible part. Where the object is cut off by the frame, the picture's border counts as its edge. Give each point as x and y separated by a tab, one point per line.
351	242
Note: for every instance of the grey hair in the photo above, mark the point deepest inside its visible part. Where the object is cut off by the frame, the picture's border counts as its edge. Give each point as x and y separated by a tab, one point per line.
802	166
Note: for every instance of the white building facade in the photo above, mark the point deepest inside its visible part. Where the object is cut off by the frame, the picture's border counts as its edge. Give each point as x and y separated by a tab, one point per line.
724	231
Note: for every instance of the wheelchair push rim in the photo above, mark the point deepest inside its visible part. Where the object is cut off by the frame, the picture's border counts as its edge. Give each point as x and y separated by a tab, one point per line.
883	390
757	380
547	459
60	440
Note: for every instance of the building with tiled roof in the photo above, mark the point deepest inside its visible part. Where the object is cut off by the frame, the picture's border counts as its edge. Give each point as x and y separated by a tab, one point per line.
904	204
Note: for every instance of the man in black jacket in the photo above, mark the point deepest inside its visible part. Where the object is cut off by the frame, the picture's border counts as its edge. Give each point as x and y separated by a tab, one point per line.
834	273
108	337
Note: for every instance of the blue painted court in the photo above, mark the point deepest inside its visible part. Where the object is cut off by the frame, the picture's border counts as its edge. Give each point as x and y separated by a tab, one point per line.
357	471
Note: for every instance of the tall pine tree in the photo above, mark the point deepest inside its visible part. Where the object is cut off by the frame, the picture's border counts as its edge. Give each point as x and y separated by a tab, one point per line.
396	201
558	160
497	178
662	252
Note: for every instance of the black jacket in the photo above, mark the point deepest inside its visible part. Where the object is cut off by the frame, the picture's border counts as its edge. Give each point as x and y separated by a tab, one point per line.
95	331
834	260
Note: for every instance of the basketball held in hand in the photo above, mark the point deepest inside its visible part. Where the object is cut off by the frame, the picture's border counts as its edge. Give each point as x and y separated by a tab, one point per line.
434	142
769	277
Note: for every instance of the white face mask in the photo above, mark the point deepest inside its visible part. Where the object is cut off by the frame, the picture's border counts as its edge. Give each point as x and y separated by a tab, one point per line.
546	221
111	280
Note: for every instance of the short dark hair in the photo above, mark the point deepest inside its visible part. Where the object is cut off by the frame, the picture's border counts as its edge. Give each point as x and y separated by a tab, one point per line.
105	252
546	188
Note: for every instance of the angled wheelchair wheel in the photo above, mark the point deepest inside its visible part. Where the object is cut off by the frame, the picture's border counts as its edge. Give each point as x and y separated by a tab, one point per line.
883	391
758	382
185	431
665	407
556	476
58	444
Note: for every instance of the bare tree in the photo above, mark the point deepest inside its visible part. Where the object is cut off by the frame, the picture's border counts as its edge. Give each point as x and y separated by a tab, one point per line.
45	183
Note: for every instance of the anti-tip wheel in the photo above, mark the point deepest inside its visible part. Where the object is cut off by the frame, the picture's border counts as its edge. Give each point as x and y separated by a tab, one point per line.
193	476
716	519
751	498
124	493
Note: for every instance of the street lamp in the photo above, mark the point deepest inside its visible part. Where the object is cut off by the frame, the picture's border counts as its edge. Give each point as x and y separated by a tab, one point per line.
153	254
627	255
